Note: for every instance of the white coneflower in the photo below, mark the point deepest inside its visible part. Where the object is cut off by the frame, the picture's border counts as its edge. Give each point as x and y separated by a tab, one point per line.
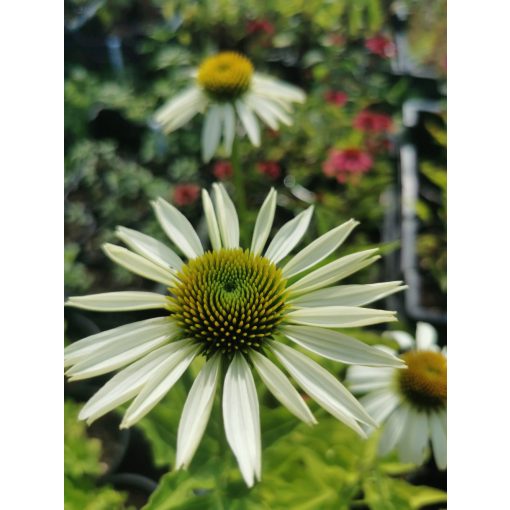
239	306
412	402
226	88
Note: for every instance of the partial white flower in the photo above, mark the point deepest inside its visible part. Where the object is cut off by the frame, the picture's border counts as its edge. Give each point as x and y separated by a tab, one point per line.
235	308
226	89
411	402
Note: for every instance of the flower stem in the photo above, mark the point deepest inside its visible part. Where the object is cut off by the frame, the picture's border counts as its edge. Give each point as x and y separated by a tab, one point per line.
239	182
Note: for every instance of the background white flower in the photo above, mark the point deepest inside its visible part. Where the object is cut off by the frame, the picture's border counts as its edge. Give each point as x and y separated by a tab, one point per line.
238	306
225	89
412	401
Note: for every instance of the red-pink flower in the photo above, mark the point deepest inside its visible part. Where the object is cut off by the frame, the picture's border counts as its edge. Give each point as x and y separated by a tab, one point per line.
347	164
336	97
380	45
185	194
260	26
222	170
372	122
269	168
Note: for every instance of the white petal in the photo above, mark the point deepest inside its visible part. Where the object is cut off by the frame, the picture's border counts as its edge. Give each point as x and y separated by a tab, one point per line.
150	248
127	383
178	228
403	339
227	217
249	122
163	378
241	418
257	104
426	337
279	385
212	223
339	316
349	295
119	301
264	223
138	264
318	249
80	350
414	439
196	412
339	347
277	88
380	404
121	351
229	127
393	430
322	387
334	271
211	132
179	109
437	425
288	236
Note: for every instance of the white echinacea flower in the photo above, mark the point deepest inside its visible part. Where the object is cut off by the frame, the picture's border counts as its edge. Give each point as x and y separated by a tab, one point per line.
226	88
237	308
412	402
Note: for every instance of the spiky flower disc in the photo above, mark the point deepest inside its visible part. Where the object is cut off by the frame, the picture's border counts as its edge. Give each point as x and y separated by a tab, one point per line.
235	308
229	301
225	76
227	89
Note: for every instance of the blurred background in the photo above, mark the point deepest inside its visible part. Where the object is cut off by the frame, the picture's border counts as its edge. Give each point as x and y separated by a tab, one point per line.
369	143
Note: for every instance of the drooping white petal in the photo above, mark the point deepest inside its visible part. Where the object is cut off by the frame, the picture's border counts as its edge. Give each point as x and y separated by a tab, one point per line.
426	337
276	88
322	387
349	295
318	249
380	404
229	127
258	106
334	271
264	223
211	132
339	316
249	122
127	383
212	223
362	379
163	378
437	425
150	248
393	430
178	228
227	217
403	339
279	385
180	109
119	301
339	347
138	264
414	438
196	412
80	350
121	352
241	418
288	236
274	108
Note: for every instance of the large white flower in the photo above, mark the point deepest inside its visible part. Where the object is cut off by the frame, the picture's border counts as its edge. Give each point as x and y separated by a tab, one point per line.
234	308
412	402
225	89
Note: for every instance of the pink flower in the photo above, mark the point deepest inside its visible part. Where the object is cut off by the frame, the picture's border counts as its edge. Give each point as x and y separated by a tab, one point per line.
336	97
347	164
260	26
222	170
380	45
372	122
185	194
270	169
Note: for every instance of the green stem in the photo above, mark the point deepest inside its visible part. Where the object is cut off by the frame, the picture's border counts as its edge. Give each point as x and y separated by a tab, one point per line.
239	182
